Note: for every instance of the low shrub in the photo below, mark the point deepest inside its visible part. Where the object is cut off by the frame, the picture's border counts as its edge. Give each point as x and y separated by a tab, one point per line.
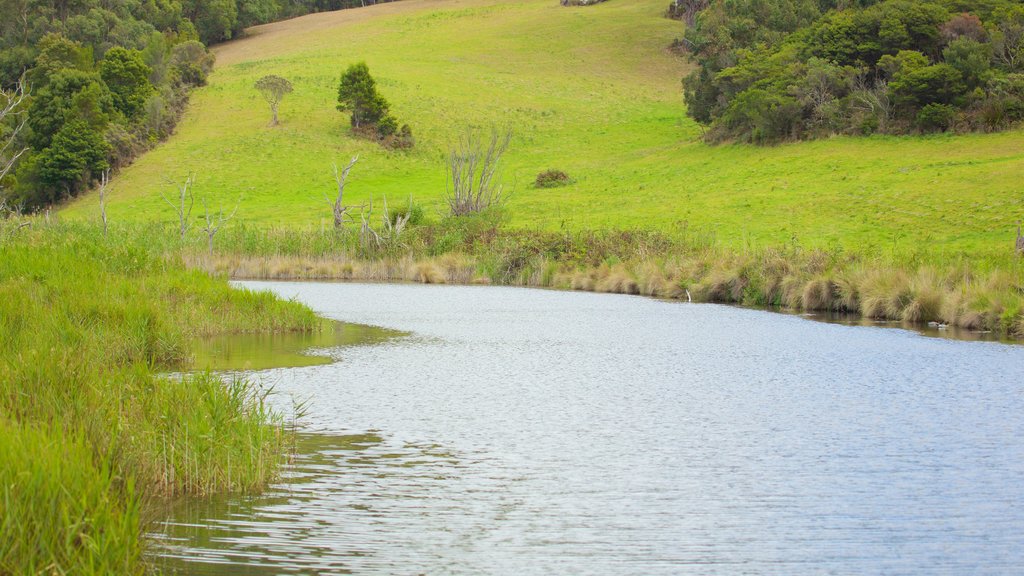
552	179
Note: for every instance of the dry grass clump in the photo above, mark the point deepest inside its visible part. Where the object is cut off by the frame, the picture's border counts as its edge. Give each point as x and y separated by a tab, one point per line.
884	294
425	273
618	280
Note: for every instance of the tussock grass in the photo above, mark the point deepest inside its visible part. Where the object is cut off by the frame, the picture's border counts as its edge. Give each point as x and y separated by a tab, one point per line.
88	427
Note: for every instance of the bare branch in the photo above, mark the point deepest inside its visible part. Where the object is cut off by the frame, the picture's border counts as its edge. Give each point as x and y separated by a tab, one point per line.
182	205
472	184
12	106
216	220
338	207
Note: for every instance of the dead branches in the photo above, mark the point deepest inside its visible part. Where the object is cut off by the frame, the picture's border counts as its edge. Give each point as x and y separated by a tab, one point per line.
183	204
11	106
214	221
338	208
104	181
473	184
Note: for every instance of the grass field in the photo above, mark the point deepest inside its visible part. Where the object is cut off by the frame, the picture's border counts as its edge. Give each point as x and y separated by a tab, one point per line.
592	91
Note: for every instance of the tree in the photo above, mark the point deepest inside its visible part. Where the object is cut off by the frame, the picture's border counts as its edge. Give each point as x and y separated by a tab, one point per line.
77	154
338	207
127	76
357	93
182	205
214	221
473	184
11	108
273	88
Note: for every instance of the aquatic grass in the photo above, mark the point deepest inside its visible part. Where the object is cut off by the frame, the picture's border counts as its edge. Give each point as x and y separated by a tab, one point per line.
63	507
89	427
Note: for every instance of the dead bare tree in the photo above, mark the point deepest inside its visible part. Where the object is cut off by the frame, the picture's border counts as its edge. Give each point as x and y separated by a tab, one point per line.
338	208
214	221
473	184
182	205
12	106
104	182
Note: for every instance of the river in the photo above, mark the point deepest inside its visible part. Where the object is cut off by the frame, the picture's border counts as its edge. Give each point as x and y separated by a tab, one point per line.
519	431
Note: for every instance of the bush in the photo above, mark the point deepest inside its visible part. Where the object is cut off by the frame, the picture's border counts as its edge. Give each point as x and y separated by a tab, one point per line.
936	117
552	179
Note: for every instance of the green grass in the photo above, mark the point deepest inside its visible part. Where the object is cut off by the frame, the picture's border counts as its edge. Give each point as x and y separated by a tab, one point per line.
591	91
89	429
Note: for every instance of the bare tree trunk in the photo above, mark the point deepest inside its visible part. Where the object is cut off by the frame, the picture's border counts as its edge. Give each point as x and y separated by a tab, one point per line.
104	180
214	222
338	208
11	107
183	205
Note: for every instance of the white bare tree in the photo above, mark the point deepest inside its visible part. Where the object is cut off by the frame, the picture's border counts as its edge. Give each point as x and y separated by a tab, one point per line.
182	204
214	221
104	188
12	107
473	184
338	208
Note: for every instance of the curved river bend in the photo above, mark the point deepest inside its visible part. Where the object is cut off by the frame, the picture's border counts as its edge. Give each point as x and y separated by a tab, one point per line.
522	431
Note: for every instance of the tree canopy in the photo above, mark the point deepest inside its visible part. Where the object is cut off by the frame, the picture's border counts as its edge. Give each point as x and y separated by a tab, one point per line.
771	71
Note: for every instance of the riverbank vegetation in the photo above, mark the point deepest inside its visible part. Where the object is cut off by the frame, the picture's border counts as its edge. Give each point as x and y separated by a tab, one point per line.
90	428
974	291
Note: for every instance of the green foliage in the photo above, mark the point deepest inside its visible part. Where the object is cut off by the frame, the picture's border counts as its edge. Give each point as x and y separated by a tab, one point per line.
77	154
127	78
273	88
90	429
936	117
837	64
369	110
357	94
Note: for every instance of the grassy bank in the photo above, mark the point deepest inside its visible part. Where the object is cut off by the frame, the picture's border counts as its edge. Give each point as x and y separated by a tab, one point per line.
593	92
966	290
89	430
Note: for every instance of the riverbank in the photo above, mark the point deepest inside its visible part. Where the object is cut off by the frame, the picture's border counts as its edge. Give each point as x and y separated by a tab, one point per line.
972	291
91	431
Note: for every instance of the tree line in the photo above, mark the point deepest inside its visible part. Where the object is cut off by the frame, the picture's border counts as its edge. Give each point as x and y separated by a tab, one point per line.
799	69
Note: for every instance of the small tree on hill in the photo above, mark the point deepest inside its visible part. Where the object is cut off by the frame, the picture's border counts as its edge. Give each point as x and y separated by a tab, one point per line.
357	94
273	88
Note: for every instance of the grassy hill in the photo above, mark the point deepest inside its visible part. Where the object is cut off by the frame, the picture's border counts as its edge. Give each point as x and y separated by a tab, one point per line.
591	91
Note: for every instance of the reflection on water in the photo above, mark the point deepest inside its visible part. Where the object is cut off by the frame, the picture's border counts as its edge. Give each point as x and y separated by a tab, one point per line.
537	432
333	478
283	349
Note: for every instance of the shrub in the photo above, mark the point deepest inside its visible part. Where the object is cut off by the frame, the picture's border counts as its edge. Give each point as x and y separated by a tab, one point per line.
936	117
552	179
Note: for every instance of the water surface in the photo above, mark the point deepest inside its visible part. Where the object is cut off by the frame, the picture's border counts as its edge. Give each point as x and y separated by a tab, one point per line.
521	431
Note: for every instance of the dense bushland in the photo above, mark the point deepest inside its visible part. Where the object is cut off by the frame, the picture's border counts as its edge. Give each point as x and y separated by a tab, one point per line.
771	71
88	427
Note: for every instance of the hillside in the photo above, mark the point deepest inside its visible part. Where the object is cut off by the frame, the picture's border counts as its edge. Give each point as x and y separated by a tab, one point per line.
592	91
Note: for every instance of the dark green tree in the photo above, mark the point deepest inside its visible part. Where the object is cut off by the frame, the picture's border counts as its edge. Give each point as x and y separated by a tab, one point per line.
357	94
77	155
127	77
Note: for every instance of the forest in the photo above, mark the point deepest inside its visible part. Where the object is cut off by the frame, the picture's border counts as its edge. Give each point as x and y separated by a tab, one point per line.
802	69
